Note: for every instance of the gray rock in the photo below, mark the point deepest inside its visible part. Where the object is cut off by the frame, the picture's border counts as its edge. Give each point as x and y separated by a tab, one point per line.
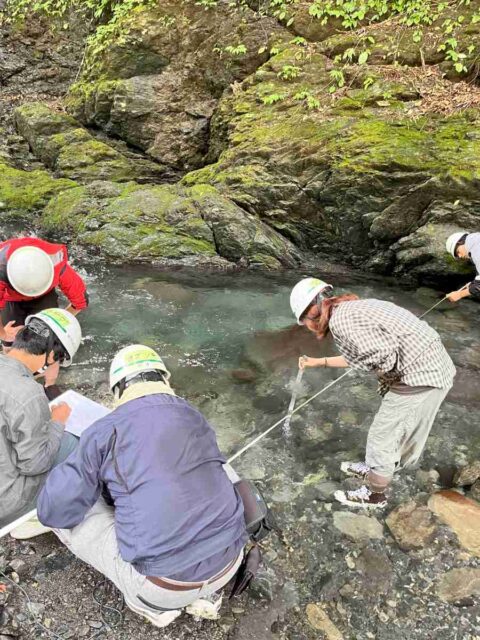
37	609
357	527
325	490
475	491
459	586
427	480
467	475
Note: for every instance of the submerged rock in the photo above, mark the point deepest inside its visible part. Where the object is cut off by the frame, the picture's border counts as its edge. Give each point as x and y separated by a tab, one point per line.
459	586
412	525
462	515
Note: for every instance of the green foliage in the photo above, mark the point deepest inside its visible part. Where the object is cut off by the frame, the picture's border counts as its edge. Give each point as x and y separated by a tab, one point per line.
208	4
273	98
236	50
309	100
289	72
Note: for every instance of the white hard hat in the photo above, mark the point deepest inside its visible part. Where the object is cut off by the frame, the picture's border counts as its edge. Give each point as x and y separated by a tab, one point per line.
66	328
134	359
304	293
30	271
452	241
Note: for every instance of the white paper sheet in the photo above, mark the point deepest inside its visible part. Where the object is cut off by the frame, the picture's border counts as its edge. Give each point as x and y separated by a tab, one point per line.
84	411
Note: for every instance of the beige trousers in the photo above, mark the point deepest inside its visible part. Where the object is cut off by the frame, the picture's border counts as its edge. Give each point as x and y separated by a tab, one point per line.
400	430
94	541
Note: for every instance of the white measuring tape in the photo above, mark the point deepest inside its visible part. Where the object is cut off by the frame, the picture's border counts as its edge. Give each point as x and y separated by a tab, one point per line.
292	411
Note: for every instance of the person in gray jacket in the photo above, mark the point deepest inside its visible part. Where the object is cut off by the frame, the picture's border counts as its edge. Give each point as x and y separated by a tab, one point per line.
32	438
465	246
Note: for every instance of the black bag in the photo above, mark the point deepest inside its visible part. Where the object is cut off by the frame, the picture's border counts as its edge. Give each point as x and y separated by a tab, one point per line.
258	518
247	571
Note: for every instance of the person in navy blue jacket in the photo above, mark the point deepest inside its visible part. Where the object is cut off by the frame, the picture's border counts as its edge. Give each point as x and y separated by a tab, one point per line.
146	499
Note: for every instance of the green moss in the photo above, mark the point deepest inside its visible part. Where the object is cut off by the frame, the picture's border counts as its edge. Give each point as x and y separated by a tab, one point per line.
29	190
66	211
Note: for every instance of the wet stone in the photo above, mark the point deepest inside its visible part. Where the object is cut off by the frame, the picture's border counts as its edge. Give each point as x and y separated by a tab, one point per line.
325	490
412	525
467	475
357	527
319	620
376	571
475	491
459	586
462	515
427	480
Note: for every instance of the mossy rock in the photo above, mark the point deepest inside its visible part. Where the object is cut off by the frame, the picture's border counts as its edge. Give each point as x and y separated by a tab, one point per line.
346	179
136	223
71	151
28	191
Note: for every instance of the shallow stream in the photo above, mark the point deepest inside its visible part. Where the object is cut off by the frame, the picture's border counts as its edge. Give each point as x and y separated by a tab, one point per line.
232	348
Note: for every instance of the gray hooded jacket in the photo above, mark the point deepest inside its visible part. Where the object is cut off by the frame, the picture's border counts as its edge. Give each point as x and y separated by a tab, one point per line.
29	439
472	245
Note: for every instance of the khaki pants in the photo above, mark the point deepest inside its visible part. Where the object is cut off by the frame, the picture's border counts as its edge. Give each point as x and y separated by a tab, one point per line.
400	430
94	541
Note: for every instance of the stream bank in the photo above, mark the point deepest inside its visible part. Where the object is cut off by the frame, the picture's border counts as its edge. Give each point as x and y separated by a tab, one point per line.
332	572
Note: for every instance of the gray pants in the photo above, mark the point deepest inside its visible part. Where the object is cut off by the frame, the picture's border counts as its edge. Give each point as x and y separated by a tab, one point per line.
400	430
94	541
68	443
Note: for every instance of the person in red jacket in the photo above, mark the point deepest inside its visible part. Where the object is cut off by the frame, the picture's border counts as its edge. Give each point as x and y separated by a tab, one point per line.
30	271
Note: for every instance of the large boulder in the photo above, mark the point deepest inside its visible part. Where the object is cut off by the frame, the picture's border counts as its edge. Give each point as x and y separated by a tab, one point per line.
24	192
351	176
135	223
63	145
156	85
461	515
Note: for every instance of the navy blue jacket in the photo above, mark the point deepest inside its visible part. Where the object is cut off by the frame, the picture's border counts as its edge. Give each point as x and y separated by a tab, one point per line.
159	459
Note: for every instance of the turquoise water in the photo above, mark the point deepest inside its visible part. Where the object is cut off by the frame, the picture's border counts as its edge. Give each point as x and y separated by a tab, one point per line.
232	347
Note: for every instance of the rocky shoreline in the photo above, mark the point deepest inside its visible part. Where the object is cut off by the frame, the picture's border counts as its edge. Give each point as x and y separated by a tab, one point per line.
375	174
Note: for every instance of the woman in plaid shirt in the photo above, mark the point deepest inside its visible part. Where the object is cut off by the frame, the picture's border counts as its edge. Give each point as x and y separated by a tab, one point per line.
413	368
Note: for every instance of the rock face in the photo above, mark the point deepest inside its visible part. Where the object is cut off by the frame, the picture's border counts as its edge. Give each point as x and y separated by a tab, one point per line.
135	222
462	515
26	191
412	525
355	165
64	146
159	88
357	527
458	586
373	163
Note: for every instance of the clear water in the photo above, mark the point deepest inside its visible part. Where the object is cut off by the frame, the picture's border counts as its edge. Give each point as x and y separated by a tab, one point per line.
232	348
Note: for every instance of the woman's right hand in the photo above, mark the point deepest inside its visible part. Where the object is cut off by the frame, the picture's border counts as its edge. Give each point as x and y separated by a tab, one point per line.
306	361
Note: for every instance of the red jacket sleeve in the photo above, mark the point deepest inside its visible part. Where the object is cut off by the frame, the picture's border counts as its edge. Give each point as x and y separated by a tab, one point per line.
73	287
3	288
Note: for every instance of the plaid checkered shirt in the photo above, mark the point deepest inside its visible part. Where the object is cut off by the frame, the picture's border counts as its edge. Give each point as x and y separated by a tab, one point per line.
379	336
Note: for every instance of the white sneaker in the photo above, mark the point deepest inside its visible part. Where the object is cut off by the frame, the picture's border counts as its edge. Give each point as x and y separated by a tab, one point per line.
207	608
362	498
29	529
355	469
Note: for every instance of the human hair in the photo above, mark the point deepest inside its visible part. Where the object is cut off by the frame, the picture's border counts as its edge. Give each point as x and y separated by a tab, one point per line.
37	339
460	242
326	307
